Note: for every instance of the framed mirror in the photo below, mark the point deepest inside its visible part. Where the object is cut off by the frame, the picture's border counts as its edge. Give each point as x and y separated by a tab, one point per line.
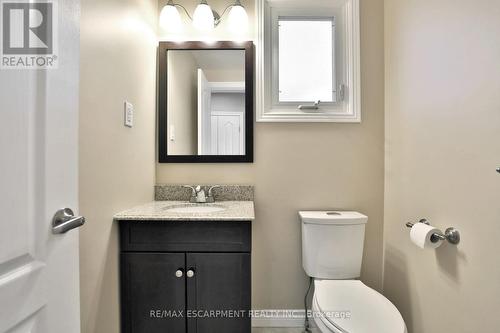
205	108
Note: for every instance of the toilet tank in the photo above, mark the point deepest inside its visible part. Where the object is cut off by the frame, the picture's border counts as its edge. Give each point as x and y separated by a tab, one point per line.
332	243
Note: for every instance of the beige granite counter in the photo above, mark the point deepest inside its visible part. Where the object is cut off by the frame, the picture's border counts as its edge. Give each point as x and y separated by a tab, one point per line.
159	211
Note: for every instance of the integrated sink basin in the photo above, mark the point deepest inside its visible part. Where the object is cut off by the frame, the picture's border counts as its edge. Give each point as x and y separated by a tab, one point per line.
195	208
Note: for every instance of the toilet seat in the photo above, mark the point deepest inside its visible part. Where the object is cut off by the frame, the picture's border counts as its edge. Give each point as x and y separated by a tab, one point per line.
349	306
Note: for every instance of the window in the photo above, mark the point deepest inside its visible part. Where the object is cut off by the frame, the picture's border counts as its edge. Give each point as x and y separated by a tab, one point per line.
305	60
308	61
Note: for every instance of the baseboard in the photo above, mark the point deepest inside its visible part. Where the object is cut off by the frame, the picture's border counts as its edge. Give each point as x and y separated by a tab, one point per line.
279	318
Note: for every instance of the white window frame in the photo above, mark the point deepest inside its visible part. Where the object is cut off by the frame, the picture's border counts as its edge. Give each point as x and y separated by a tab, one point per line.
346	69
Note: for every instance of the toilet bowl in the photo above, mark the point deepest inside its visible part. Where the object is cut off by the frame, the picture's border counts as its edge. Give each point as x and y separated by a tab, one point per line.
332	251
349	306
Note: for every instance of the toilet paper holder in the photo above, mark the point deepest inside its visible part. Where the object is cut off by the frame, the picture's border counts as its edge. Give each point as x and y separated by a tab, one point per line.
451	234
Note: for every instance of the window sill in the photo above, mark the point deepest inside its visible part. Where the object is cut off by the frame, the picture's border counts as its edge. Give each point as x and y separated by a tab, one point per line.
293	115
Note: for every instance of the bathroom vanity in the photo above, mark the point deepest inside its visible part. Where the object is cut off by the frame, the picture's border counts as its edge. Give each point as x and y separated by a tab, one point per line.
186	267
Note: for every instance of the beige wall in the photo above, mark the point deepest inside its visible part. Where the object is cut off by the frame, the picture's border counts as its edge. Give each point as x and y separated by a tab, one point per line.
225	75
183	94
118	59
442	148
309	166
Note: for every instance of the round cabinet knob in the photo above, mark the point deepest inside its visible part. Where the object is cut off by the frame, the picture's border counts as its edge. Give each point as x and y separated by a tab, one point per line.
190	273
179	273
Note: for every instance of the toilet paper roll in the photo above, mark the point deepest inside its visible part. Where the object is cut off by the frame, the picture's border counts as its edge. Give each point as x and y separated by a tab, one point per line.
420	235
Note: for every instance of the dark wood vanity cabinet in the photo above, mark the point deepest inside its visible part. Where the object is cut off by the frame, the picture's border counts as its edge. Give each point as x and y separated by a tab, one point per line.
185	276
149	287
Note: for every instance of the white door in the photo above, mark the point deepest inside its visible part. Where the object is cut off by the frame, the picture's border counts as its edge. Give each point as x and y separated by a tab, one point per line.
39	277
227	134
204	97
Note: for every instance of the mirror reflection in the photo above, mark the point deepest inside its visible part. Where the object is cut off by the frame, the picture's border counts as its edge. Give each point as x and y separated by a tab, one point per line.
206	102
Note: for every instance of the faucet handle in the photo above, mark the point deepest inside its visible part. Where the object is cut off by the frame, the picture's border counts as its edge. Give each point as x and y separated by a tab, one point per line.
211	188
194	192
193	189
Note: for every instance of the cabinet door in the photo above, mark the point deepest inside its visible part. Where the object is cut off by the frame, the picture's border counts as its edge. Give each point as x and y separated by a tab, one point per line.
153	297
218	294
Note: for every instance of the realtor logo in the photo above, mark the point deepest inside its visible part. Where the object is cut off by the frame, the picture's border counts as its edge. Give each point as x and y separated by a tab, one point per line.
28	34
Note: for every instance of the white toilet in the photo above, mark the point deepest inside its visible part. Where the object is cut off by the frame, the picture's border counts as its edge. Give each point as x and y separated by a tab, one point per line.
332	250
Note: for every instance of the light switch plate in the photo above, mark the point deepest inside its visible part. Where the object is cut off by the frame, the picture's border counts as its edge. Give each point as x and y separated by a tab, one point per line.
129	114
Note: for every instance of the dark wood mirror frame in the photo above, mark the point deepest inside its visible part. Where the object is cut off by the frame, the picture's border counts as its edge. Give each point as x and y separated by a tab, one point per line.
164	157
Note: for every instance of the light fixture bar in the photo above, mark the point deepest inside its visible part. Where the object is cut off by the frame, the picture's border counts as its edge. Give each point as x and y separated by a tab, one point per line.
171	3
204	15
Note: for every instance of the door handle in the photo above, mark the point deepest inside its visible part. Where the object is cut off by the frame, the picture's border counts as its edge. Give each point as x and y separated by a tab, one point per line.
190	273
64	220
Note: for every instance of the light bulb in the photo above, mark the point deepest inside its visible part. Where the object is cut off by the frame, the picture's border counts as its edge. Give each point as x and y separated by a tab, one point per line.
238	20
203	18
170	19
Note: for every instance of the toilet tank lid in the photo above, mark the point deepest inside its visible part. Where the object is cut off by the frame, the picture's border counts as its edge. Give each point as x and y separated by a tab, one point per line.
332	217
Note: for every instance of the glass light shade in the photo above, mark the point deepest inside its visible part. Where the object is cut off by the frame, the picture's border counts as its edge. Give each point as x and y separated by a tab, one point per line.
203	18
170	19
238	20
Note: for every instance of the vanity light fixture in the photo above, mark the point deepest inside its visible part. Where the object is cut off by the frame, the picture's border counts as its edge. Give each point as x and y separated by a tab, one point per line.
238	18
170	19
204	17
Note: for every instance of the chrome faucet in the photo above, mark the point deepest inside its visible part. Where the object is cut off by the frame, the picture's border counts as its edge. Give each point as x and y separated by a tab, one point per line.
198	194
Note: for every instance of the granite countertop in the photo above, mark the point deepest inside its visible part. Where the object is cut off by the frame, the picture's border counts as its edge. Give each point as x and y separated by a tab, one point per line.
157	211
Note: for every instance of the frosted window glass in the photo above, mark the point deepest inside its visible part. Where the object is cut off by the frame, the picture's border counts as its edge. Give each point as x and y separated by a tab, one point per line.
305	60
